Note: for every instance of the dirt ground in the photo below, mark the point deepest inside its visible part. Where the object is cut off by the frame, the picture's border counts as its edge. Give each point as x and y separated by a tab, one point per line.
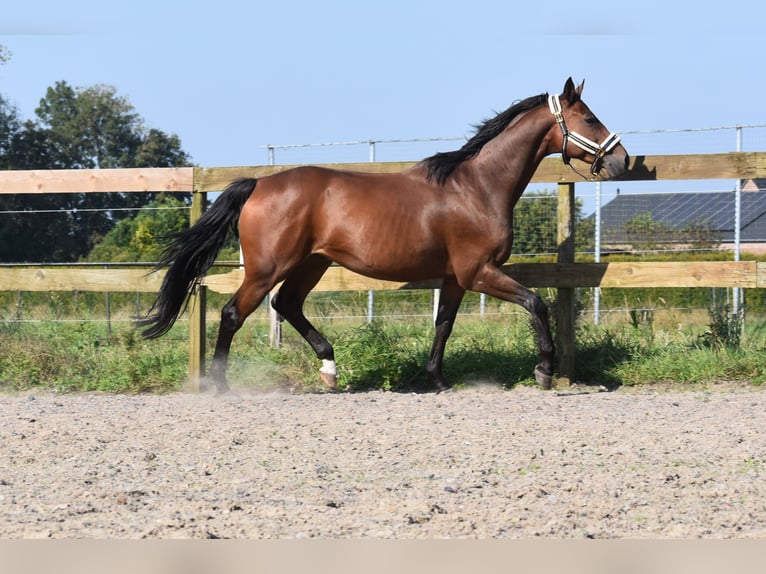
481	462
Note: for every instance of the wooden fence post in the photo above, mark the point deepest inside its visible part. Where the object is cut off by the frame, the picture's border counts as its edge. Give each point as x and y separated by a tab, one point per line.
565	300
197	303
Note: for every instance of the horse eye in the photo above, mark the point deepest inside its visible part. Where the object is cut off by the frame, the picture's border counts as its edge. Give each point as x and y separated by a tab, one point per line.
590	120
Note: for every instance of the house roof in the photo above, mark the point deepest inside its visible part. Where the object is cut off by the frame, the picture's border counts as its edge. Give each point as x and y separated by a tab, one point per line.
754	184
682	210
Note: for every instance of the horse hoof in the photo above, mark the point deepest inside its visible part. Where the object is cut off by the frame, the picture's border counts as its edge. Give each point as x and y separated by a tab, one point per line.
329	379
442	386
543	379
221	389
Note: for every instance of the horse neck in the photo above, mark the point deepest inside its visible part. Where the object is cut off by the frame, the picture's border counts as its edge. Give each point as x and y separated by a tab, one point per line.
507	163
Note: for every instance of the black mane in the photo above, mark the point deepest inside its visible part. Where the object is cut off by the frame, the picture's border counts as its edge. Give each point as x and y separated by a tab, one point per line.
441	165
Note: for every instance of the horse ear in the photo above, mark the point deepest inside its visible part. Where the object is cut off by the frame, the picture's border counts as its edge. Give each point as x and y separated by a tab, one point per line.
570	93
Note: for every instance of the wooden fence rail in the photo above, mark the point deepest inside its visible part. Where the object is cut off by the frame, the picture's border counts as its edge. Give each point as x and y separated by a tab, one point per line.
742	274
565	275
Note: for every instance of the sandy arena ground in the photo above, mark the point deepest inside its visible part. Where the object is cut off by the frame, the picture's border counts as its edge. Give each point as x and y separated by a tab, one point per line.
476	463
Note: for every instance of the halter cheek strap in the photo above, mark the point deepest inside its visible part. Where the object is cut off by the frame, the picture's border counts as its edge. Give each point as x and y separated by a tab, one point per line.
598	150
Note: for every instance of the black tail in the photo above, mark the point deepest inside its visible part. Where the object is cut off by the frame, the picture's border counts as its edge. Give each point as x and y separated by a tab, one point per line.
191	254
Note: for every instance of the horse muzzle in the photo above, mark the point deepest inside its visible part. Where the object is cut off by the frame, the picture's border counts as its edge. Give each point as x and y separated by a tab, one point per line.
613	165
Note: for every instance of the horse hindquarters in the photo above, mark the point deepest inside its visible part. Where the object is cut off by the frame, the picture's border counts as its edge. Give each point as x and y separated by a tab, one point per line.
276	228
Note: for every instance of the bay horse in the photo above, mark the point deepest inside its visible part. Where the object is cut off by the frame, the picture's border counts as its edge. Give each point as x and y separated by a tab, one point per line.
448	217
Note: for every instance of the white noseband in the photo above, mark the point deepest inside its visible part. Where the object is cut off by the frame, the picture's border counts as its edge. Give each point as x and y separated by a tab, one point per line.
599	150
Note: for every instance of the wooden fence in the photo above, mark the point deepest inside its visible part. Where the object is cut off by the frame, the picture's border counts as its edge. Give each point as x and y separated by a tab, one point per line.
564	275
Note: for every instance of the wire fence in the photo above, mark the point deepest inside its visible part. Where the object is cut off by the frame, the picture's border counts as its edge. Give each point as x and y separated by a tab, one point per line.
615	219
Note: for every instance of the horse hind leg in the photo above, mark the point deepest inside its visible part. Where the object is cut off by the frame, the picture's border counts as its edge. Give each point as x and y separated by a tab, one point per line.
289	304
449	302
246	300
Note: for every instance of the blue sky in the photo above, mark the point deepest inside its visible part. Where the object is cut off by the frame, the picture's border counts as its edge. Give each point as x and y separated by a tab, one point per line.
228	77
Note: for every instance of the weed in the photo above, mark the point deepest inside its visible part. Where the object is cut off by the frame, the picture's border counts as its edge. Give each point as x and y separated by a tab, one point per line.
724	330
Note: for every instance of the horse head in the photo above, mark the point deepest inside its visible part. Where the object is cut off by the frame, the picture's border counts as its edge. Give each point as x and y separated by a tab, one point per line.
579	132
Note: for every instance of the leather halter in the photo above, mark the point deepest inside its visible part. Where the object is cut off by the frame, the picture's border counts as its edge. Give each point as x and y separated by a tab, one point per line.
598	150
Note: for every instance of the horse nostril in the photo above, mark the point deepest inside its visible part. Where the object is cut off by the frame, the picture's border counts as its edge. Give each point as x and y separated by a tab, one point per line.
627	161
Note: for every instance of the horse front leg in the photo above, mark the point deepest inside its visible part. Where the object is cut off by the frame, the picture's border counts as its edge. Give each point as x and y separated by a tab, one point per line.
492	281
449	301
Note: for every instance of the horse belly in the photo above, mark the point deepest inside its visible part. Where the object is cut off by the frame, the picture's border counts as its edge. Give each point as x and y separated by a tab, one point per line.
376	261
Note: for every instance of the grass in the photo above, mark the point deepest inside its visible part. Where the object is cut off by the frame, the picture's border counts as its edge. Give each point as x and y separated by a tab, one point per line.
74	357
78	357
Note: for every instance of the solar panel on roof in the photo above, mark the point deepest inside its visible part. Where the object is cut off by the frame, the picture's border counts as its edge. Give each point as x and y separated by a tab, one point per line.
680	210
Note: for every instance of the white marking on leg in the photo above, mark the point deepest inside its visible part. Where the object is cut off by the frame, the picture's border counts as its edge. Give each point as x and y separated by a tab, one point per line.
328	367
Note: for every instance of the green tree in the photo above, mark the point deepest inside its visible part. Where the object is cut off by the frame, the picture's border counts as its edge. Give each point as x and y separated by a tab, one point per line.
158	149
700	236
136	238
75	128
89	128
10	126
644	233
139	238
535	225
